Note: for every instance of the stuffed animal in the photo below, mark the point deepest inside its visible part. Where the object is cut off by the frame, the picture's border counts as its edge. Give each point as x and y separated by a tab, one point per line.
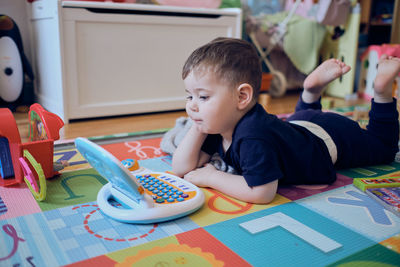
13	67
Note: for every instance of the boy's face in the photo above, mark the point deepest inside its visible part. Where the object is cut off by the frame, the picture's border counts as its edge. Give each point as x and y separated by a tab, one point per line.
210	103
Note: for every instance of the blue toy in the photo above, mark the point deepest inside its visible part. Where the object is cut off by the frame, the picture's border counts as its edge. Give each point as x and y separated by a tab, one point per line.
6	167
140	196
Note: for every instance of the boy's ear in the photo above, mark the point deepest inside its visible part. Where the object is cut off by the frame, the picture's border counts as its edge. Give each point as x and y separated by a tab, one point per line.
245	94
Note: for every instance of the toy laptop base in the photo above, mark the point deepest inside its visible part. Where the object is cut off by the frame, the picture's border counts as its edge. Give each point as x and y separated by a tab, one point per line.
140	196
153	207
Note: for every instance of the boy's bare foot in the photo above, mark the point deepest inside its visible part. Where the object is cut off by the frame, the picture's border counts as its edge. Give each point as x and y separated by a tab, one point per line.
328	71
388	69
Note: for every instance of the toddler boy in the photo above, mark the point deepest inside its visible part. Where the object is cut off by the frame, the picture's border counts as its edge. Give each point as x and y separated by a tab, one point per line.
222	81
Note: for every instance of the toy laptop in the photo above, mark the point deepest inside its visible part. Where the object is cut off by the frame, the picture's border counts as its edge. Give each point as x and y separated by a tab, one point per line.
139	196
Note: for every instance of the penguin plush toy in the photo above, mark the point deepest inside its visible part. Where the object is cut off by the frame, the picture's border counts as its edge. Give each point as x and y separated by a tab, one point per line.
14	91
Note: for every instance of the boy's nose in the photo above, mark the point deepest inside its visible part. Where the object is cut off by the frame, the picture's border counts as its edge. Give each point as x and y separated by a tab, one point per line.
193	106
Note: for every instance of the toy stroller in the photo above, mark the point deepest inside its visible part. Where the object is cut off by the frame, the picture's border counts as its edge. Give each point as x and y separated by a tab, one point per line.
278	83
272	40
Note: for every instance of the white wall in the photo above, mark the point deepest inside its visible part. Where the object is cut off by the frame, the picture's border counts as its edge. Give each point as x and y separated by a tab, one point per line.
16	9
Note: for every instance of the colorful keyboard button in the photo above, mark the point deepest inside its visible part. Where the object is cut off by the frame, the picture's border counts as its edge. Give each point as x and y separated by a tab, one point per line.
162	188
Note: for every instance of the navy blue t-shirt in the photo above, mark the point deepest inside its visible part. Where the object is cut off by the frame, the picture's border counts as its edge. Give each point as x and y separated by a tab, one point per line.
265	148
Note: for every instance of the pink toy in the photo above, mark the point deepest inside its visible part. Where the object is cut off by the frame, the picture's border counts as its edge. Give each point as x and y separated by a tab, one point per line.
39	192
303	9
369	63
327	12
333	12
28	174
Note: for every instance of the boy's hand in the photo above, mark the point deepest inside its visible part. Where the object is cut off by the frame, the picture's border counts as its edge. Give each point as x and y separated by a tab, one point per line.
201	176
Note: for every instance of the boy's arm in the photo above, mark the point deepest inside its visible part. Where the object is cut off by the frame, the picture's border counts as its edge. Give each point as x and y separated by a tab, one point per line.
188	155
232	185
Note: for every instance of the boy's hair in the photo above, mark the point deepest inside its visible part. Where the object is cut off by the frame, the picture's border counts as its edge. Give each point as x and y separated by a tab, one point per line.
233	60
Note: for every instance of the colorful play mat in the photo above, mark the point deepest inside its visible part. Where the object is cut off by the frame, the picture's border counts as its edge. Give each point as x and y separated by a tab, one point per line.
335	225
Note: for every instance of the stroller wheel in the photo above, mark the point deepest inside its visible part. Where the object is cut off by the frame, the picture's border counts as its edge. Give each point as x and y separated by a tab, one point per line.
278	84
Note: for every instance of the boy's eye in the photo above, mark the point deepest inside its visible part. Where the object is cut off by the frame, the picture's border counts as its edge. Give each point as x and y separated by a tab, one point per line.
189	97
204	97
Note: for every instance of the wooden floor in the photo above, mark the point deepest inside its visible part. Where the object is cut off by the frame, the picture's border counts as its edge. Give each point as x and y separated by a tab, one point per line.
135	123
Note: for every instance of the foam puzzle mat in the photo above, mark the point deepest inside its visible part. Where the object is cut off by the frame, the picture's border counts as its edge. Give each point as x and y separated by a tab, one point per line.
335	225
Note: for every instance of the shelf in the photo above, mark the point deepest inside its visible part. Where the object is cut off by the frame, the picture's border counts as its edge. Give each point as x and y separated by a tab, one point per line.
379	21
380	24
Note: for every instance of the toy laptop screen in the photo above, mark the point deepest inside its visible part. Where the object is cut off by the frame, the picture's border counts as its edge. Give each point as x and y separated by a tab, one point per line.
109	167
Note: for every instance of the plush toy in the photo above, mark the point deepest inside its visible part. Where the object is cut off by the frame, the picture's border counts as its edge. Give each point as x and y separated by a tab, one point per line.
13	67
